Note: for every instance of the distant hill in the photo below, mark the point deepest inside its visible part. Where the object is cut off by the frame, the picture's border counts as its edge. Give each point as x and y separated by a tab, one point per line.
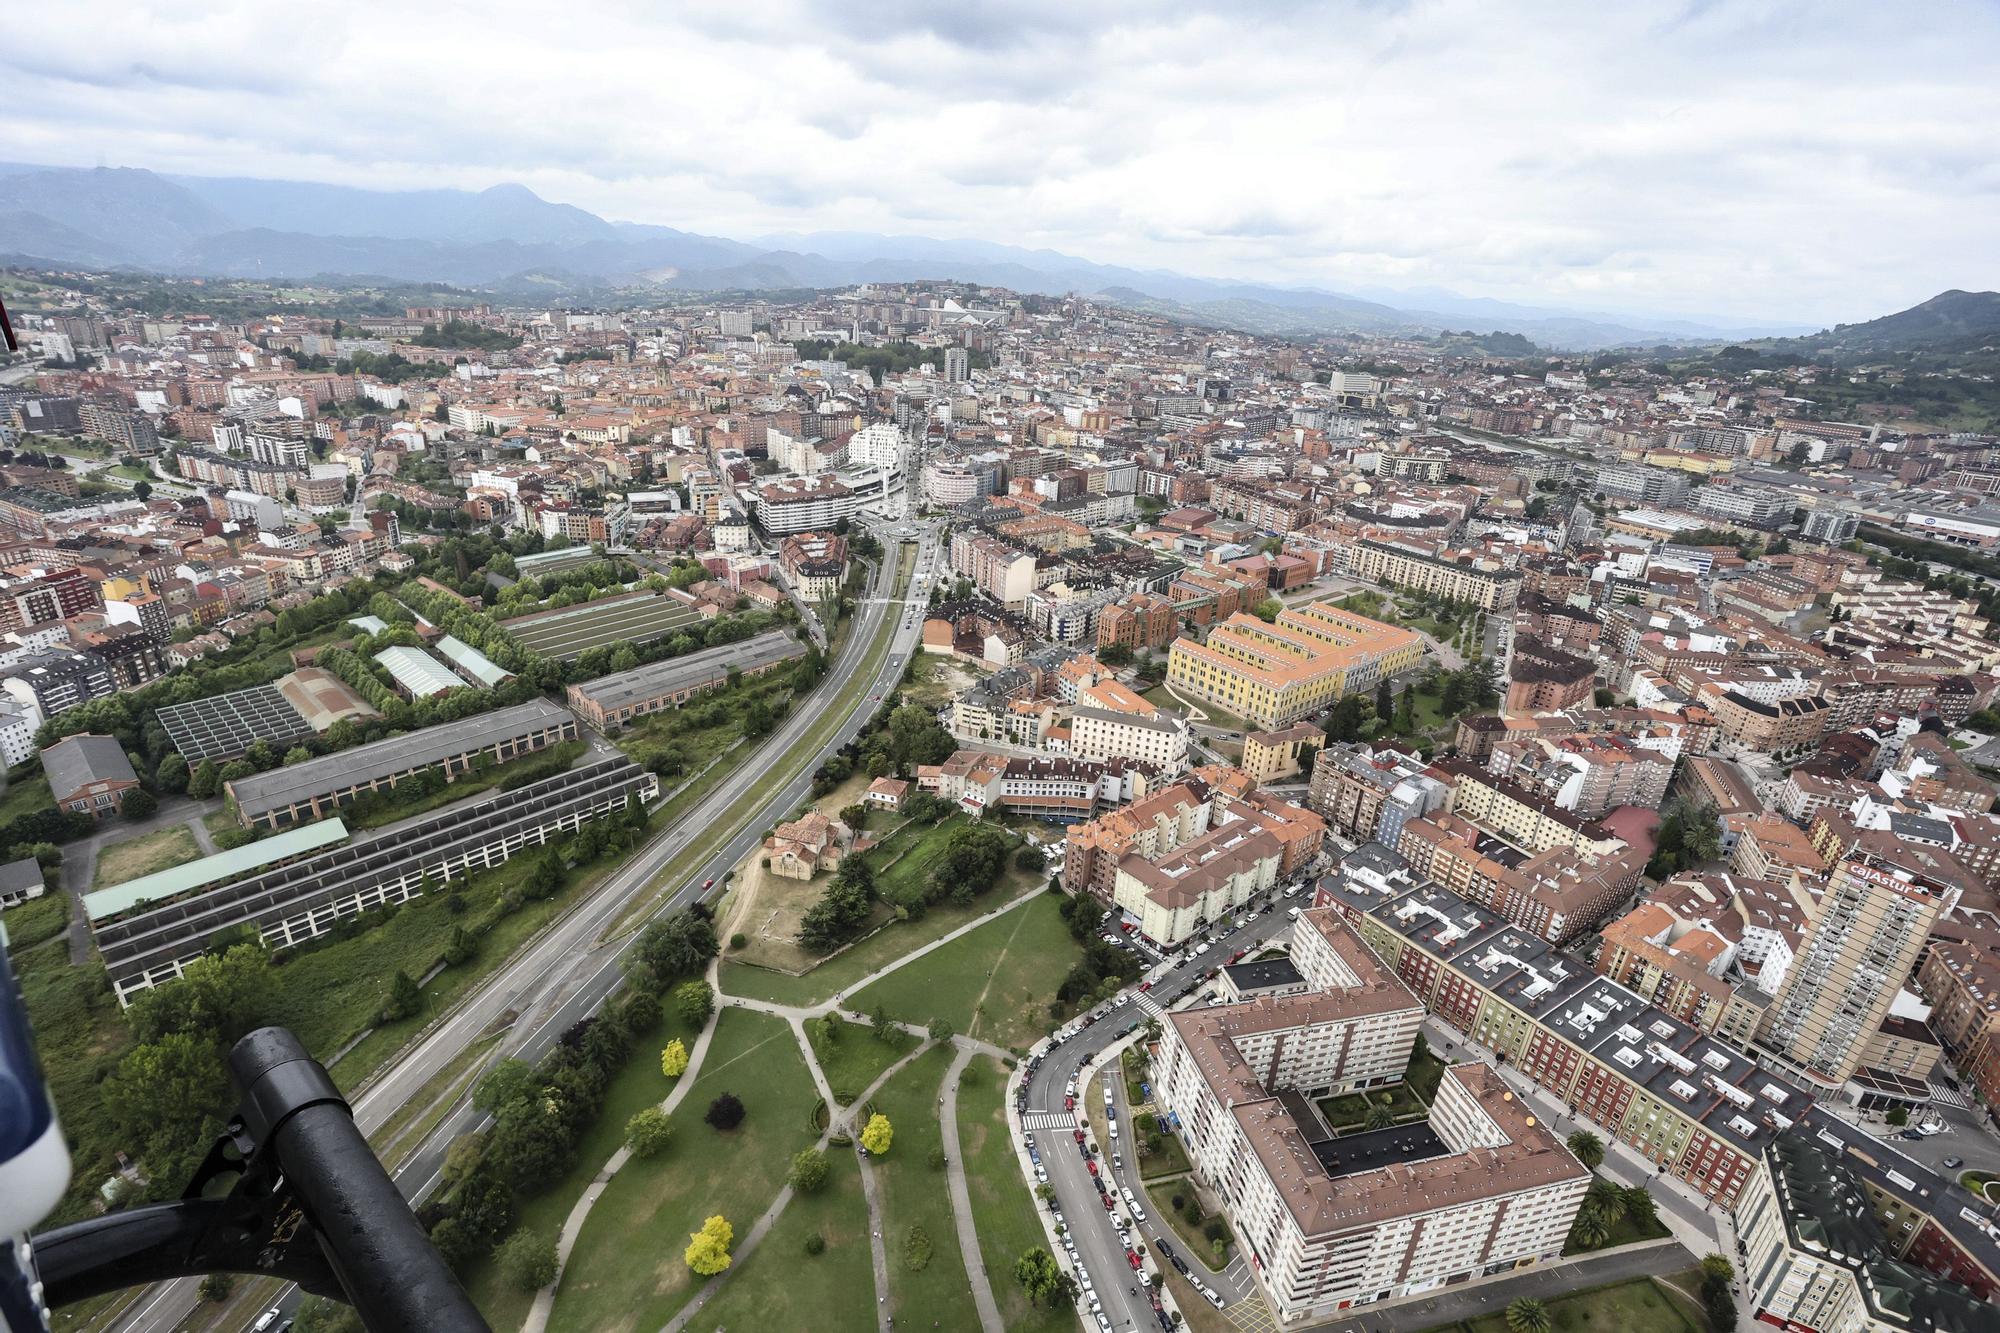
1952	321
508	239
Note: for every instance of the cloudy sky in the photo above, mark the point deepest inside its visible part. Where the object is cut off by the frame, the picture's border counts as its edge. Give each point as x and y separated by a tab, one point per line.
1773	161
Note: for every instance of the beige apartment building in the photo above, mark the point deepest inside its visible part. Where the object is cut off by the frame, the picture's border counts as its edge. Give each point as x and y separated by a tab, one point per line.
1405	565
1479	1187
1871	927
1271	675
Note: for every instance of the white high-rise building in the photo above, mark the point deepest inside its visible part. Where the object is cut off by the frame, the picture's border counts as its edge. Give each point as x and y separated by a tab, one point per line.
957	365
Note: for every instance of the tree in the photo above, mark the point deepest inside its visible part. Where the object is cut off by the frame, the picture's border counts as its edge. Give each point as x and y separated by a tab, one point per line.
1714	1266
1718	1295
1898	1117
1527	1315
527	1259
1641	1206
676	946
1039	1276
935	1157
878	1134
404	998
648	1132
708	1249
142	489
725	1112
205	781
171	774
694	1001
508	1082
809	1171
939	1030
215	1288
461	946
1589	1149
674	1059
1380	1116
1589	1231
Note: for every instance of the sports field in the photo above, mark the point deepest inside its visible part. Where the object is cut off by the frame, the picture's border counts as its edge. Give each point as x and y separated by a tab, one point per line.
574	630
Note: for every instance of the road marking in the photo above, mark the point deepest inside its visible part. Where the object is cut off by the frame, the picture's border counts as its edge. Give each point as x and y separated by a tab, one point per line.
1049	1120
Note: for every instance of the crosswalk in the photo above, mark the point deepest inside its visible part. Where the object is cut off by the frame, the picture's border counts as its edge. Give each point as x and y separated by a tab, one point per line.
1148	1006
1049	1120
1949	1097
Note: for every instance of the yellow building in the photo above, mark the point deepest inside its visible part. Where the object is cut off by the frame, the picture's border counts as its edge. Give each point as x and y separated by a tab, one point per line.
1273	674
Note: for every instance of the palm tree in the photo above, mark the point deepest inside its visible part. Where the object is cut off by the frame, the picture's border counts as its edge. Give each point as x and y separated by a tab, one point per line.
1590	1230
1380	1116
1589	1149
1606	1200
1527	1315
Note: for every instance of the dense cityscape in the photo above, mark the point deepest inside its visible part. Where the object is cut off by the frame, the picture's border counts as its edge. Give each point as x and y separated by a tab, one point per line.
1089	816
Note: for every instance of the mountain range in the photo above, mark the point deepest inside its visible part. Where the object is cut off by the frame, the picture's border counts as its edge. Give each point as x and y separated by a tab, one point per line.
509	240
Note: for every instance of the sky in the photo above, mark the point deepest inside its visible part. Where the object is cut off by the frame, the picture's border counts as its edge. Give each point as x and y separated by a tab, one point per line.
1814	162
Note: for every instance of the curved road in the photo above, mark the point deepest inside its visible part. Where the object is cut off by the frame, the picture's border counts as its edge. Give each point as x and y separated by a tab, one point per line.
569	971
1099	1249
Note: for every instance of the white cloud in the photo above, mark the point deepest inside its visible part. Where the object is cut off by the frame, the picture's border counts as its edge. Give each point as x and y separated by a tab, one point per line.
1809	161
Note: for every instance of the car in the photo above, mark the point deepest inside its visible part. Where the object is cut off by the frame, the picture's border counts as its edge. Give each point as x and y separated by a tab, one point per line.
1165	1249
1180	1265
1213	1299
878	698
708	884
1145	985
1293	892
1132	1257
1293	914
1031	1140
1930	1127
1069	1103
1107	1203
1041	1174
1953	1163
1909	1134
1069	1089
1092	1166
1079	1136
265	1320
1117	1161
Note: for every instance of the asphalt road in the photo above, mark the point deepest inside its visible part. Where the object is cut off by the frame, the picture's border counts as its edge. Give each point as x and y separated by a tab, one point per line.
568	973
1101	1251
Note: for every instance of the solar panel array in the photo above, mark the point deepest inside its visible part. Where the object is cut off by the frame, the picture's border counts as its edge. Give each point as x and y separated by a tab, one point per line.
229	724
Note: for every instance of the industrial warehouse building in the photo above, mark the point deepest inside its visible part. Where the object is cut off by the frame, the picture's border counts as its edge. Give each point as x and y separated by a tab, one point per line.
299	884
613	700
319	787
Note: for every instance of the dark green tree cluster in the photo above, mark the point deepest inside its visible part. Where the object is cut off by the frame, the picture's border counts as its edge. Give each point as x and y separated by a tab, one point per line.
1104	968
540	1113
842	910
973	860
1689	836
171	1093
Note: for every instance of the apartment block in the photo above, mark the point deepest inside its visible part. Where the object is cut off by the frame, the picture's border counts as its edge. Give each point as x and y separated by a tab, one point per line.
1274	674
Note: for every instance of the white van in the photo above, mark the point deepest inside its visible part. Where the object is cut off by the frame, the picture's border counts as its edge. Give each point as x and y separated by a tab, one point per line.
268	1318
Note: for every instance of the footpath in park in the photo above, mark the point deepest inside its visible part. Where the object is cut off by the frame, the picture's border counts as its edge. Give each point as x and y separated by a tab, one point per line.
838	1121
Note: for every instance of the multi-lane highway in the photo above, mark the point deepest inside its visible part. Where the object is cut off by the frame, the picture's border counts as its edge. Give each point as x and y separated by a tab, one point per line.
567	973
1101	1251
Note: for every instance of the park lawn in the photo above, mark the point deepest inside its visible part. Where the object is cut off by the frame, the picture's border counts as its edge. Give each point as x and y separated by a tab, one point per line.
993	983
121	862
1134	1062
914	1195
861	959
1194	1245
25	797
1423	1074
1006	1213
780	1286
632	1089
1637	1306
855	1058
1170	1160
627	1270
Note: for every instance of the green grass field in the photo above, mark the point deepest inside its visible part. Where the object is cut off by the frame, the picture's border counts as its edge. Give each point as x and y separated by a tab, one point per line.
627	1271
994	983
1638	1306
780	1286
121	862
855	1058
1004	1209
638	1085
914	1195
25	797
870	955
